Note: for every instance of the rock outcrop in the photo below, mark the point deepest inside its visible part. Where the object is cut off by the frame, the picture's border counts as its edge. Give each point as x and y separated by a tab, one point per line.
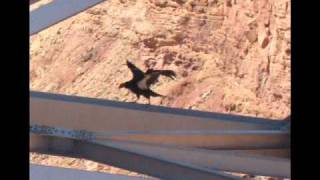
231	56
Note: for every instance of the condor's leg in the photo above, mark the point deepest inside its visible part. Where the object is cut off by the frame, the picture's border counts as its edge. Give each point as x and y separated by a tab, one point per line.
138	97
147	96
149	101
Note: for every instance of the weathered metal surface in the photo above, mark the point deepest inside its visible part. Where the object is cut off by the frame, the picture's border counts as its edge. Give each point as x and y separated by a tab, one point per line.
210	159
96	115
158	136
154	124
56	11
153	166
210	139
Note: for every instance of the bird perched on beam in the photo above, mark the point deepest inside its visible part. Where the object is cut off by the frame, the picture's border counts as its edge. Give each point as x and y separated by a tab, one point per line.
141	81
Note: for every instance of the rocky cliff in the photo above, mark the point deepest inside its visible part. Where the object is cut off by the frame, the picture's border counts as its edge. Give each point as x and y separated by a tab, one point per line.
231	56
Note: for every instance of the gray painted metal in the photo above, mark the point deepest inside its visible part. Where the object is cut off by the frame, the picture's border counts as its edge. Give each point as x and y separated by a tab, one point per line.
96	115
152	124
39	172
280	153
154	166
167	136
209	159
57	11
213	139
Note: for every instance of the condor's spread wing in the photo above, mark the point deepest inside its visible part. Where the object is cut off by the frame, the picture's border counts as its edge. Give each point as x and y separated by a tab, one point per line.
136	72
153	75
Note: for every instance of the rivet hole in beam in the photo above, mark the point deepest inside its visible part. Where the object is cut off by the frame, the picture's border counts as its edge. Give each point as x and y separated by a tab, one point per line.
56	11
274	124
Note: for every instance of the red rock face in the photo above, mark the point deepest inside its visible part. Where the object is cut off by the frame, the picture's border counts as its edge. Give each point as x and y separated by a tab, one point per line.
230	56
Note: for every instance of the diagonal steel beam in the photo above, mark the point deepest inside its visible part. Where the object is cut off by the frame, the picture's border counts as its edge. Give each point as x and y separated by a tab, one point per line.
205	159
93	119
211	159
56	11
153	166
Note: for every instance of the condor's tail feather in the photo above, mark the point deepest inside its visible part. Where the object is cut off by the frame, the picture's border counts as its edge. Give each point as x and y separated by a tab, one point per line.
169	73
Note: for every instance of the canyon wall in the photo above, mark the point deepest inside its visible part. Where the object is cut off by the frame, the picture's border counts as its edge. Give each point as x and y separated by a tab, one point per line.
230	56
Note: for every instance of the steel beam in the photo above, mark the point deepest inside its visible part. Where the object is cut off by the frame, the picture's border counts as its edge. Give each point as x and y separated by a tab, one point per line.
96	115
210	139
40	172
165	134
252	144
214	139
56	11
209	159
154	166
